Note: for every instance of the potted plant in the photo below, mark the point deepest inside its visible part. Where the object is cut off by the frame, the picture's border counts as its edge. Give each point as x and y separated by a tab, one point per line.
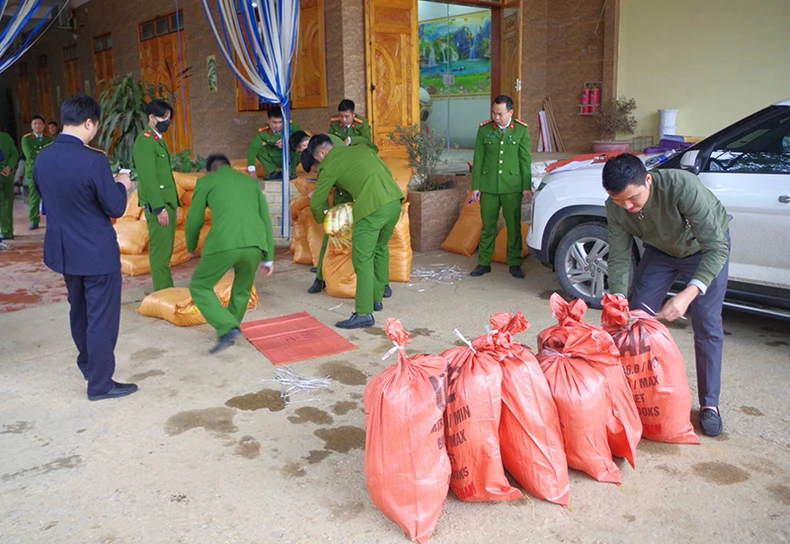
616	118
434	200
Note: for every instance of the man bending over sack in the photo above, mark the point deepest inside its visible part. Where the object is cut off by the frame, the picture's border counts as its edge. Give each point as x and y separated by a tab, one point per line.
240	236
361	173
685	230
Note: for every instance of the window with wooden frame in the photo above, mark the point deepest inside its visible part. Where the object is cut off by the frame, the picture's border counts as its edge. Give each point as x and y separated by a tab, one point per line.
103	63
44	88
308	79
23	94
71	70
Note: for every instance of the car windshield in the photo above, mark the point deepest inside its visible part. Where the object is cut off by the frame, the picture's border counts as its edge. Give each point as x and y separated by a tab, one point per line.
764	149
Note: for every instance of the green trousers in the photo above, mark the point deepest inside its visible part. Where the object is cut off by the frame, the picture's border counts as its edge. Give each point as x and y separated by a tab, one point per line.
319	274
209	270
160	248
7	205
274	161
490	205
34	203
370	255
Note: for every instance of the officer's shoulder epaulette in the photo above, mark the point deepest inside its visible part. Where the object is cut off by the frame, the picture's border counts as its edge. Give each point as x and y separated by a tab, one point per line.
359	119
147	134
265	127
520	122
26	135
335	118
103	152
484	123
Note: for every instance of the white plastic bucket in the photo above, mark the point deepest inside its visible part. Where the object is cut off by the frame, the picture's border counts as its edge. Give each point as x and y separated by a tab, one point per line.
663	130
667	117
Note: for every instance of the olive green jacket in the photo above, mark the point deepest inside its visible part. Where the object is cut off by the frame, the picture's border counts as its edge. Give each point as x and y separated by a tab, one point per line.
30	148
359	131
502	163
155	184
9	156
264	144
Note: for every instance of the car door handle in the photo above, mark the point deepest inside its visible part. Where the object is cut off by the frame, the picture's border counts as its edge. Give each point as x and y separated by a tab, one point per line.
784	199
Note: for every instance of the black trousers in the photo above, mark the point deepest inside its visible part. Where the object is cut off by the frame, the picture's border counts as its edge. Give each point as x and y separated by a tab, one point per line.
95	317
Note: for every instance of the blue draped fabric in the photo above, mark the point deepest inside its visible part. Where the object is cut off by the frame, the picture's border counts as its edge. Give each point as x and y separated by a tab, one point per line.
19	20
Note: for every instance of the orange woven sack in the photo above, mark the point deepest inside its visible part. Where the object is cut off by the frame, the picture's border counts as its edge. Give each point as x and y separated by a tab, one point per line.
530	436
655	371
315	234
302	253
297	205
472	417
500	244
579	392
133	211
465	234
406	464
338	271
400	248
132	236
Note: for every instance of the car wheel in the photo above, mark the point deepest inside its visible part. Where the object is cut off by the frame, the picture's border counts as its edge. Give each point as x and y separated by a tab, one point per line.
580	262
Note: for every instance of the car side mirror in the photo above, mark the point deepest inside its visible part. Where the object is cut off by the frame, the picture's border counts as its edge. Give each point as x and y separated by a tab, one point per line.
689	161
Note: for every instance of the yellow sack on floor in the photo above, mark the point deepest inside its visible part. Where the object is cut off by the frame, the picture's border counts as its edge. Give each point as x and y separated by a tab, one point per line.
500	245
187	180
338	270
400	248
223	289
179	257
302	185
297	205
302	254
132	236
465	235
315	234
186	198
133	211
135	265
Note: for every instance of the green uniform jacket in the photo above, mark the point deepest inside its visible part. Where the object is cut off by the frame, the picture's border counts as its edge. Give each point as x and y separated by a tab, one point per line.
359	131
30	147
264	144
9	156
361	173
502	163
680	218
239	214
155	184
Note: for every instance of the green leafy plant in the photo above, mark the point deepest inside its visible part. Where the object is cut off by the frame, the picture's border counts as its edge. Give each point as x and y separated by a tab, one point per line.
183	162
123	117
424	148
617	117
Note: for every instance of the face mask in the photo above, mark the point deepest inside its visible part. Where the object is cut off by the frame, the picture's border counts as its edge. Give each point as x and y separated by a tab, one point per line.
162	126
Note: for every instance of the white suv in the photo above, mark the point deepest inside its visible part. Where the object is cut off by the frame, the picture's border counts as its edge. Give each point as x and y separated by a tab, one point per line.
746	165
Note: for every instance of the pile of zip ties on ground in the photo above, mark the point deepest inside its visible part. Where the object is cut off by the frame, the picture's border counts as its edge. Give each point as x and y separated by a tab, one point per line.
439	273
291	382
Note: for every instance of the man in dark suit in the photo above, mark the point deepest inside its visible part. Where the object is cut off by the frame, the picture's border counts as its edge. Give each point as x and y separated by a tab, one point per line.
81	196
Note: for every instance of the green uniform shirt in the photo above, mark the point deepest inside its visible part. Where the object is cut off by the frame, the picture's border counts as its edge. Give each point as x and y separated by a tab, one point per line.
358	131
361	173
30	148
239	214
502	163
8	153
681	217
155	184
264	145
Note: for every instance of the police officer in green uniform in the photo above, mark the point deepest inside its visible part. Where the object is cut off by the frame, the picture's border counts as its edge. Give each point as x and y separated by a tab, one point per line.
9	157
156	191
267	146
361	173
349	127
32	143
501	177
240	235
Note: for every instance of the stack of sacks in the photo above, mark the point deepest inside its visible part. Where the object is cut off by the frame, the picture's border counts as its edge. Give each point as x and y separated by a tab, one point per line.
176	306
596	409
132	229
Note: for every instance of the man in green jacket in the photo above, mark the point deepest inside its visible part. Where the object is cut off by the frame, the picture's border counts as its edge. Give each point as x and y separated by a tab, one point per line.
240	235
32	143
501	177
350	127
156	191
267	147
9	157
361	173
685	231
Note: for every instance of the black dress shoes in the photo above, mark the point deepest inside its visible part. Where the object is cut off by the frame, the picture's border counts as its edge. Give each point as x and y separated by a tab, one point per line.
313	270
387	291
357	322
118	390
480	270
226	340
317	287
378	306
516	272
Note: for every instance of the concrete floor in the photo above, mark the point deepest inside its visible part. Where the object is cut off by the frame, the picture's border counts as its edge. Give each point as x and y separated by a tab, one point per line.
206	452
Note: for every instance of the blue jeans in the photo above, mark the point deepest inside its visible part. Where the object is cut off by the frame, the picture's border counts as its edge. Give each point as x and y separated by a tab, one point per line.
656	273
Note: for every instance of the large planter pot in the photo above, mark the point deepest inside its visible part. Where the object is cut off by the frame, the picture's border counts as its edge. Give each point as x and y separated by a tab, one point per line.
611	146
432	215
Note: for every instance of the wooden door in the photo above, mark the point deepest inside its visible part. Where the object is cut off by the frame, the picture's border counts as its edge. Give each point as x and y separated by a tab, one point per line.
309	69
163	62
393	75
23	97
510	54
103	64
71	70
44	88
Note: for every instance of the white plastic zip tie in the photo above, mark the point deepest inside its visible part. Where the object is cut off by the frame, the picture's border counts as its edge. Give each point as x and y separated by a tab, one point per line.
395	347
291	382
464	340
335	307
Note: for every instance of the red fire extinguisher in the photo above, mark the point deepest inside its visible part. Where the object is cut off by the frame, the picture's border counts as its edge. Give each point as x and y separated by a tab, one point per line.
585	100
595	99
